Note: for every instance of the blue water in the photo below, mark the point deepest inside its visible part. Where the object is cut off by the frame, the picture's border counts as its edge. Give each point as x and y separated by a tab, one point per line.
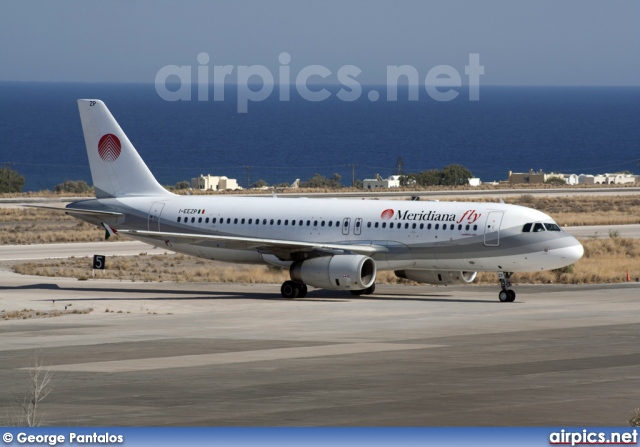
561	129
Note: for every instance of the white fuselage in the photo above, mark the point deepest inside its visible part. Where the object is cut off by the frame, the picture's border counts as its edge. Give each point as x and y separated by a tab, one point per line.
426	235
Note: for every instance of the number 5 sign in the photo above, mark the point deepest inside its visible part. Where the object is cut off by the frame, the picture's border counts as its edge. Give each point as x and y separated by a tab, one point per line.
98	262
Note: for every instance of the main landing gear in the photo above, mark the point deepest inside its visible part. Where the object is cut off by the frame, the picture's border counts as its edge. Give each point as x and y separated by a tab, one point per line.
368	291
506	295
291	289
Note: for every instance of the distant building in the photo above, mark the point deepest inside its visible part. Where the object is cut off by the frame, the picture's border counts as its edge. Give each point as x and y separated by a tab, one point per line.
570	179
214	183
532	177
379	182
619	179
606	179
588	179
474	182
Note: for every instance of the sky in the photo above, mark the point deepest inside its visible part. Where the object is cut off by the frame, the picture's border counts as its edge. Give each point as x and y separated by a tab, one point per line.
546	42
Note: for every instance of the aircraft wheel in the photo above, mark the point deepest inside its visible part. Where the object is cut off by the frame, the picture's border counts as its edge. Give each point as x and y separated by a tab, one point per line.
358	292
503	296
302	290
369	290
289	290
511	296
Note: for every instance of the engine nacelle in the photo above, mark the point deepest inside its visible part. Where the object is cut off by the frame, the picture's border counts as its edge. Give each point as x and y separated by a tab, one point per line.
437	277
338	272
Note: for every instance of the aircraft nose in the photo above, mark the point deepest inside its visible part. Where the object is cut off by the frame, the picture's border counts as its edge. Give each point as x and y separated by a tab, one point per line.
573	252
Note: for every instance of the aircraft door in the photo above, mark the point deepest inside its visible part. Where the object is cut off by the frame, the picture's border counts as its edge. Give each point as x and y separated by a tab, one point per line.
492	228
357	229
346	223
153	223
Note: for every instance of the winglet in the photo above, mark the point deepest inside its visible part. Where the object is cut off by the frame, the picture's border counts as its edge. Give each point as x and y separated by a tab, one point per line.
108	231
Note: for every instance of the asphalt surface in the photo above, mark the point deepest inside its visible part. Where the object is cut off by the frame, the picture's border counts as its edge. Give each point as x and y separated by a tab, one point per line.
239	355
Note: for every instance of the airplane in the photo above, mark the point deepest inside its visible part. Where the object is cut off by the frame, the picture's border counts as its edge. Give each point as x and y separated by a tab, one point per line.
337	244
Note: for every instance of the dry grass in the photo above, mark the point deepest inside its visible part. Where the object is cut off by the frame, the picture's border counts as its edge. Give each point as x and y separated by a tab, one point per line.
585	210
26	314
34	226
176	268
605	261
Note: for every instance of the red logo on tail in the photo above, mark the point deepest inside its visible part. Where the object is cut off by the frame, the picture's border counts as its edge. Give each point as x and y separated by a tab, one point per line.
109	147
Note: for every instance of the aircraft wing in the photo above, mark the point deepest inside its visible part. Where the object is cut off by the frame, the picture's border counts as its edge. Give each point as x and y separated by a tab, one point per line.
275	246
77	211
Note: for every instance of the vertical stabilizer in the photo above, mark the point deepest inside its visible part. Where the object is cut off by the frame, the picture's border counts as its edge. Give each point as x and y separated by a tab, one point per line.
116	167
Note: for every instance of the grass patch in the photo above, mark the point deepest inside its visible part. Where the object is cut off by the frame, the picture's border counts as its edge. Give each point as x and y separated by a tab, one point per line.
605	261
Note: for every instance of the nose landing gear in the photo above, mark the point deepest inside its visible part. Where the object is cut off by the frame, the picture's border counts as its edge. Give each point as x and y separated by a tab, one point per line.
506	295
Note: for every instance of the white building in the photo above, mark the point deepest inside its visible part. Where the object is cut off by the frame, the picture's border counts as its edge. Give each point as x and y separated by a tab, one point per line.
379	182
214	183
620	179
571	179
474	181
606	179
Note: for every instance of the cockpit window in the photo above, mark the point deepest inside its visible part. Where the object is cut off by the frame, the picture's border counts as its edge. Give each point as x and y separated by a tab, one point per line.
538	227
527	227
552	227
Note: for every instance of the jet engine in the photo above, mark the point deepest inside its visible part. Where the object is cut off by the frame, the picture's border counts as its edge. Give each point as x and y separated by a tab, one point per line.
437	277
338	272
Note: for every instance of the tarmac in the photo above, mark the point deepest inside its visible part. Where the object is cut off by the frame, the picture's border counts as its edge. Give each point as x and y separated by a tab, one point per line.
202	354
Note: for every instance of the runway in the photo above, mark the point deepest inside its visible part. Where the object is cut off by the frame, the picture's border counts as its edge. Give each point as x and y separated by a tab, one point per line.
239	355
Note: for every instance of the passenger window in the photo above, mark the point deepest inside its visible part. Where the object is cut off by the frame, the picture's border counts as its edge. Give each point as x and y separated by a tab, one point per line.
527	227
235	221
271	222
538	227
178	219
322	223
242	221
193	219
250	221
459	227
279	220
308	223
376	224
475	227
452	227
357	224
228	220
315	223
206	220
199	219
467	227
293	223
213	220
286	221
422	226
406	226
428	226
552	227
391	225
330	223
437	226
384	225
368	224
337	223
414	226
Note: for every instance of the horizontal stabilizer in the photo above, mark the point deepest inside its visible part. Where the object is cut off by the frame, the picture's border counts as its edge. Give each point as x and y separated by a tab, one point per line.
76	210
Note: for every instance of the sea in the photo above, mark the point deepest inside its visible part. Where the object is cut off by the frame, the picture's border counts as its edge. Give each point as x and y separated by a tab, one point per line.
571	130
